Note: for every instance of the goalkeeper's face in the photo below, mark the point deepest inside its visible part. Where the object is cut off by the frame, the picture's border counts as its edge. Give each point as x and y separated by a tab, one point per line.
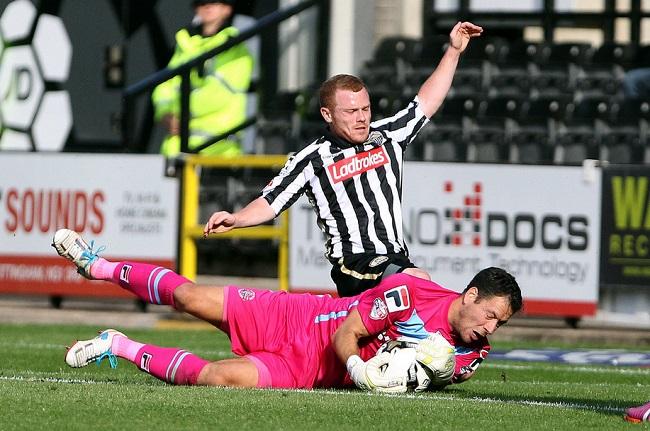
480	318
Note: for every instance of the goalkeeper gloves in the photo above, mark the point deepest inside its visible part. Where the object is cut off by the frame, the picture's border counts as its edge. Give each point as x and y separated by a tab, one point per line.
438	356
369	375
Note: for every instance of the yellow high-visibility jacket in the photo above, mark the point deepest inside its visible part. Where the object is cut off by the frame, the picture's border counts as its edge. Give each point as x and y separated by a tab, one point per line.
218	93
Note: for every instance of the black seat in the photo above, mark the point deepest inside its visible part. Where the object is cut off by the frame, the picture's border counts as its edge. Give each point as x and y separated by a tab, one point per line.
575	53
510	79
441	143
528	52
530	144
622	145
487	144
432	49
386	104
490	49
612	53
392	57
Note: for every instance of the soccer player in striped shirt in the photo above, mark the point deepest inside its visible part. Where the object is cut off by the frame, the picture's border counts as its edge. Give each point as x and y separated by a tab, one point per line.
352	176
286	340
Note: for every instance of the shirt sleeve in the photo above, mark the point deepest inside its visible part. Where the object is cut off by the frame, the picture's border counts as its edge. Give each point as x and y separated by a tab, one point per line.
385	304
468	359
404	126
287	186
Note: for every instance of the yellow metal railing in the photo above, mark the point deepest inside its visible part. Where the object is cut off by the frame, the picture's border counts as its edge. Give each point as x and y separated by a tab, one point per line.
190	230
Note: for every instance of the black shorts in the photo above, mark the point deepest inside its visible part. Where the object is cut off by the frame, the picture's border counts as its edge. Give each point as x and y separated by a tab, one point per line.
358	272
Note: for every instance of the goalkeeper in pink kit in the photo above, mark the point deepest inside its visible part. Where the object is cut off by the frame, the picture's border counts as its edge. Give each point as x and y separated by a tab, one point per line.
285	340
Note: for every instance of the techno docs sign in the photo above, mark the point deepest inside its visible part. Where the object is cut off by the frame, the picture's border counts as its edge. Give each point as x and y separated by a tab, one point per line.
541	223
37	51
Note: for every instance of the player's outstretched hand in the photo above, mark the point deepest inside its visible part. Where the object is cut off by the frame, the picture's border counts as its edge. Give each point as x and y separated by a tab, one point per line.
462	33
370	376
219	222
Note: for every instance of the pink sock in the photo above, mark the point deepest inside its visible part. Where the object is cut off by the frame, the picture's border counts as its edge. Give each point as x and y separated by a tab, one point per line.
153	284
125	348
171	365
102	269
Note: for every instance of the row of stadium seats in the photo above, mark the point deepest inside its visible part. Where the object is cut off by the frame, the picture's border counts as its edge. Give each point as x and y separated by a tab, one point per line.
495	66
510	102
545	129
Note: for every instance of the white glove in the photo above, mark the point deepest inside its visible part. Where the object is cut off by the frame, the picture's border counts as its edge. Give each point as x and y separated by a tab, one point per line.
369	375
437	355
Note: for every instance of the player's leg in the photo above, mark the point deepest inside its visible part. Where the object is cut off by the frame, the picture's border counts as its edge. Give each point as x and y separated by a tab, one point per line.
151	283
355	274
171	365
417	272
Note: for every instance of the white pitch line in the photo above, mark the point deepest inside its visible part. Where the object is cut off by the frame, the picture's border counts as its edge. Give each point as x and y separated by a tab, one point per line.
51	380
319	392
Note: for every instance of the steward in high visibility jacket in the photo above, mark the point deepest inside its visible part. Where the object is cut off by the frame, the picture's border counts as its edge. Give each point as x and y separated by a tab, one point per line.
218	91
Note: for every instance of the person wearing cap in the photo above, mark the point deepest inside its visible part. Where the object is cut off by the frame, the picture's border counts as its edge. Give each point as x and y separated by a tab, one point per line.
218	88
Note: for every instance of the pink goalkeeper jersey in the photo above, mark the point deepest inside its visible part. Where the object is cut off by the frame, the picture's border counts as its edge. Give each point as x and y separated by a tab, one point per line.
289	335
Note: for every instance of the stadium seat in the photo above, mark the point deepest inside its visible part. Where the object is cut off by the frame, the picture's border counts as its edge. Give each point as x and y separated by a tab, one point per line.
274	137
612	53
510	79
551	79
487	144
441	143
605	80
553	107
575	53
643	56
392	58
528	52
530	144
393	48
432	49
621	146
386	104
490	49
575	143
504	106
469	78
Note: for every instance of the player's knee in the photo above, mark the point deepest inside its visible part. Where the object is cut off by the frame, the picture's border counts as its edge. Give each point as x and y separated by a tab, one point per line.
417	272
184	295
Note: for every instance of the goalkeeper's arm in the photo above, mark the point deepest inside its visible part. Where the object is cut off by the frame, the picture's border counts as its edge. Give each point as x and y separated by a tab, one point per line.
366	375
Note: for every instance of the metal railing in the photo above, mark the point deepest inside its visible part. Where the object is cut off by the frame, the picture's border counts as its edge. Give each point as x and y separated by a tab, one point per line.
147	84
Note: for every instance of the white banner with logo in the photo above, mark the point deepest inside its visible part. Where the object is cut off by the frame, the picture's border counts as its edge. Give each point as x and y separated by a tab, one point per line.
122	202
541	223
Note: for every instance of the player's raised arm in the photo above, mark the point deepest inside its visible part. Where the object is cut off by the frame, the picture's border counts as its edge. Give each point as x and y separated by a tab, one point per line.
257	212
435	88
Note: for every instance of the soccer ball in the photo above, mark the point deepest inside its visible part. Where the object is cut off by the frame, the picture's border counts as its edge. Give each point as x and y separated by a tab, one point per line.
402	362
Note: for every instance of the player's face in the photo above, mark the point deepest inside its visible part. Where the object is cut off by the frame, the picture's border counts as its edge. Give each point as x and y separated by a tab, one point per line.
350	116
479	318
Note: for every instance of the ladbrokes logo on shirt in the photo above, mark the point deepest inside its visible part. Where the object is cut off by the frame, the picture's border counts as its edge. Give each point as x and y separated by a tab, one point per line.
357	164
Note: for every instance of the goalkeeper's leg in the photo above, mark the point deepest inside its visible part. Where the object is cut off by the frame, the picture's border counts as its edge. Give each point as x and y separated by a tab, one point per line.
151	283
171	365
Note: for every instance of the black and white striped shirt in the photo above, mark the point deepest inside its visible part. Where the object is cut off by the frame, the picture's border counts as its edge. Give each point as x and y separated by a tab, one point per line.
356	190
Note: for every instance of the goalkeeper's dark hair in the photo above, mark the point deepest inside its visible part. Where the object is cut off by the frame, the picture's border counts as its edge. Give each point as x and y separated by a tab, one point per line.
497	282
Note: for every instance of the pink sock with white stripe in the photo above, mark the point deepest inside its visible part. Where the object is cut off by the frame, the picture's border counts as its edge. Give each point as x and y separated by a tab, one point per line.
153	284
171	365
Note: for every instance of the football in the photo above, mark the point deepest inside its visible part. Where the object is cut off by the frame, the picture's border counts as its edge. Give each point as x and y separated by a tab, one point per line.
402	362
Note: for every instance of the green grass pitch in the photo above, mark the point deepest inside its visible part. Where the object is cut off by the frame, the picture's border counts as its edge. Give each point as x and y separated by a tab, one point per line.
38	391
